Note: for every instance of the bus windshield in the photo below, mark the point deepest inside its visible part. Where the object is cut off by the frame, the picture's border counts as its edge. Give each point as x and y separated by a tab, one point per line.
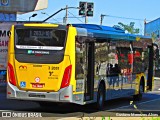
31	38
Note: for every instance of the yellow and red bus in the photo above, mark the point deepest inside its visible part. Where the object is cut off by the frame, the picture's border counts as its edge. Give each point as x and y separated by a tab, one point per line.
79	63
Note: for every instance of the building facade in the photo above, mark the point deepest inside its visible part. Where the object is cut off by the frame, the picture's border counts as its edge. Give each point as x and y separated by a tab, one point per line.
152	28
10	8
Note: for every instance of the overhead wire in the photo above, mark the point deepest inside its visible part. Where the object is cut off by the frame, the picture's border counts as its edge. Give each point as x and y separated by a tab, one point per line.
126	18
75	16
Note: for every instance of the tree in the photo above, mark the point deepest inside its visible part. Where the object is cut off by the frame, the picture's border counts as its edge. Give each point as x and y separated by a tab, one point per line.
129	28
154	37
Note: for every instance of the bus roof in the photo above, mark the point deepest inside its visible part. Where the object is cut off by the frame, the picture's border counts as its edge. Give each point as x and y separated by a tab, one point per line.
106	32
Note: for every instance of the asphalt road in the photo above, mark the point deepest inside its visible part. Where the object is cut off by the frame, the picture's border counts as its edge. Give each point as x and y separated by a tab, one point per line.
117	107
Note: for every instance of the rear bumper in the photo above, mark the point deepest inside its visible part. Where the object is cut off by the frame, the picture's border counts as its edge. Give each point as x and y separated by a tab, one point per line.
63	95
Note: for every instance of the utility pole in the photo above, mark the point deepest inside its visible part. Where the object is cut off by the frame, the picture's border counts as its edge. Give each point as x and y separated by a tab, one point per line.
66	16
86	19
101	20
102	17
145	26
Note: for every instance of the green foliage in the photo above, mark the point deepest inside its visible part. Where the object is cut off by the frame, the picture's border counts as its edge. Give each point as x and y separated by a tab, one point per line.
130	28
154	37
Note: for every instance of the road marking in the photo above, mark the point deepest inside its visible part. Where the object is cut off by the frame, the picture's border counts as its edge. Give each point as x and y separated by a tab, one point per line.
136	104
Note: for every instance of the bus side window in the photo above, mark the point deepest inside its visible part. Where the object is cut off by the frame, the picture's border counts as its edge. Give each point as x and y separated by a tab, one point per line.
79	60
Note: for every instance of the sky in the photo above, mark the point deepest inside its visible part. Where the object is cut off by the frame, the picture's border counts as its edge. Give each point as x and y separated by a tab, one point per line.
116	11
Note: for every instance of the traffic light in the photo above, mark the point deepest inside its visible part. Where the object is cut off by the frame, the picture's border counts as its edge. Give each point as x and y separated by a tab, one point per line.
90	9
82	8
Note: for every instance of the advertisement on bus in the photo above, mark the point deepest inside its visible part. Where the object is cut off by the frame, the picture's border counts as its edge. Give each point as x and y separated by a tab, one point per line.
4	39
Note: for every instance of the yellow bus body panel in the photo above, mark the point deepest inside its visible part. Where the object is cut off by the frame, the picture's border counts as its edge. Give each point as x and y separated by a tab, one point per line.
70	50
29	73
40	25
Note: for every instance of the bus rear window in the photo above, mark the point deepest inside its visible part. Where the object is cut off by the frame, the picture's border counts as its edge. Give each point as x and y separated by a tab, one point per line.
47	38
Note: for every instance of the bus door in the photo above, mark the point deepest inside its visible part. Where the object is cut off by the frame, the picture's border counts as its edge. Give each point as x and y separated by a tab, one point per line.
150	69
89	65
125	53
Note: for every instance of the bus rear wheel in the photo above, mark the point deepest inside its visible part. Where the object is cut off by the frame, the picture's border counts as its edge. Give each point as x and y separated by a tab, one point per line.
100	97
138	97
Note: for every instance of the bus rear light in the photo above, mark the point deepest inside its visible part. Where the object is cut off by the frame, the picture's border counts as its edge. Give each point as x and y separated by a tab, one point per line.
11	75
9	93
66	77
66	96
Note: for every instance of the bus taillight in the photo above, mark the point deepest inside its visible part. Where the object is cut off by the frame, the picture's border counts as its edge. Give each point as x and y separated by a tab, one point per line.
11	74
66	77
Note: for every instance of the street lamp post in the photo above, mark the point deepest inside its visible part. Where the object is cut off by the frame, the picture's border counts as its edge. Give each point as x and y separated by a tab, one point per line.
32	16
58	12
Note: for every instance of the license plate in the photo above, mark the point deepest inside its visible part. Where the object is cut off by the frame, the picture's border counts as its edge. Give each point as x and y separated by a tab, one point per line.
36	95
35	85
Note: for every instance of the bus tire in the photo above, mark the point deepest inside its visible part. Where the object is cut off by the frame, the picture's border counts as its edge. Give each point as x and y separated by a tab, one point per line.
100	97
46	104
138	97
